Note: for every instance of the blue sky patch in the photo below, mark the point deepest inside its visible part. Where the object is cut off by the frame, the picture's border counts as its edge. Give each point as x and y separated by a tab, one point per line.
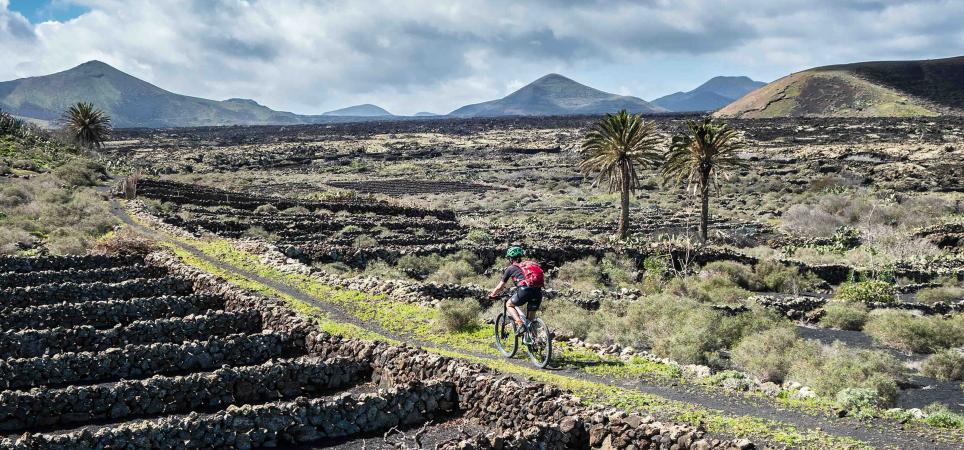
37	11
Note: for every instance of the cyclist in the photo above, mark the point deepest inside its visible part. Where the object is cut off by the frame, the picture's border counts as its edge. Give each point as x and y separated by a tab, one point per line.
528	277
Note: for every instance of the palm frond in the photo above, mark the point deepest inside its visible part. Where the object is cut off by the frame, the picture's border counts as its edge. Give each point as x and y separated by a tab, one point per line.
701	152
88	126
619	141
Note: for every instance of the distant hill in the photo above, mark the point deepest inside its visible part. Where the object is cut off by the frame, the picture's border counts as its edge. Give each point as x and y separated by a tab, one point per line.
709	96
425	114
365	110
556	95
879	88
129	101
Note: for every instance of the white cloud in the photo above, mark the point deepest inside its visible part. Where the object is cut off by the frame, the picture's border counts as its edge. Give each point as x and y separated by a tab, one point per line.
309	56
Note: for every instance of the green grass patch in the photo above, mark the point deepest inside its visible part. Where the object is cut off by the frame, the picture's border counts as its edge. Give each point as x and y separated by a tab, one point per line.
416	320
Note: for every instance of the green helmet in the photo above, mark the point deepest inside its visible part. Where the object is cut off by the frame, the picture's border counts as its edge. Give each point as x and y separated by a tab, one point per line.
515	252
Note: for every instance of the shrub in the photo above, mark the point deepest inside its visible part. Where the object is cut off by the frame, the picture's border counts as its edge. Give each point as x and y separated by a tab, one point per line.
258	232
458	268
14	195
673	327
619	271
571	320
477	237
13	240
65	241
767	355
862	402
582	274
868	291
266	209
822	217
940	416
733	328
26	164
381	231
80	172
809	221
294	210
912	333
843	239
844	316
940	294
829	370
349	229
775	276
337	267
714	288
41	210
364	241
945	365
735	272
419	266
655	270
457	315
451	271
730	379
382	269
124	242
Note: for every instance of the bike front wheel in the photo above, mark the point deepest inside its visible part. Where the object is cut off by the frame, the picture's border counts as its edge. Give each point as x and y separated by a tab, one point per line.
505	339
540	347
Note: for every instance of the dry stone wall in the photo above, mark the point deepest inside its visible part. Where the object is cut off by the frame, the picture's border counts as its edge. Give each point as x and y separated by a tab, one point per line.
27	264
489	398
161	395
809	309
265	386
69	292
267	425
179	193
101	314
507	403
138	361
104	275
85	338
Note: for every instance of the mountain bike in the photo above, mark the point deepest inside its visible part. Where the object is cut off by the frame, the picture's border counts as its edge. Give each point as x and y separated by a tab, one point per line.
536	337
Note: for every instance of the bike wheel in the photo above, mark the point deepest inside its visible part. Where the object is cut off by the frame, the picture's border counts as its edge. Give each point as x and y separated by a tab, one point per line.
505	339
540	349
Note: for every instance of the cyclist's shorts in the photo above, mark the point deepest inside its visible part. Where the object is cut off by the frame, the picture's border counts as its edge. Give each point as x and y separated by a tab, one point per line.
530	296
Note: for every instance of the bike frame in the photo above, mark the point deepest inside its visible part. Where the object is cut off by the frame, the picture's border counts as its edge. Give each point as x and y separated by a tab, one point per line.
505	309
527	332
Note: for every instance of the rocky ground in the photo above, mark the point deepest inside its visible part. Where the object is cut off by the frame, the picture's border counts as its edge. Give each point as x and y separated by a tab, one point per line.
348	195
272	379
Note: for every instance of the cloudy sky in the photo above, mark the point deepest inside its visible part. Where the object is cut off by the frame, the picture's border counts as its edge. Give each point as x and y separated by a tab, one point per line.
408	56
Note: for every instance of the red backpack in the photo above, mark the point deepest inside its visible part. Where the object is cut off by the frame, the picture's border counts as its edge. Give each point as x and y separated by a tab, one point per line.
533	274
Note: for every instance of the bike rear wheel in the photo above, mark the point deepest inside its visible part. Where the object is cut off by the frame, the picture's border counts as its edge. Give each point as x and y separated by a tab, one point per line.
540	349
505	339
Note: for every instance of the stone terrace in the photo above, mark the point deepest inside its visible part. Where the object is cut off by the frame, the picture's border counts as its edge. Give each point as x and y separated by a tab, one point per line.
109	352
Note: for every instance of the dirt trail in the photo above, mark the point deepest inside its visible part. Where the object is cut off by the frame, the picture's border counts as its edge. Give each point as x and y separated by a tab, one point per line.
874	433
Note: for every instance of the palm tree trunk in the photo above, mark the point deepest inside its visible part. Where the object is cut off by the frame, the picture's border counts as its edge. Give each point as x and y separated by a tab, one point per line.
624	198
704	207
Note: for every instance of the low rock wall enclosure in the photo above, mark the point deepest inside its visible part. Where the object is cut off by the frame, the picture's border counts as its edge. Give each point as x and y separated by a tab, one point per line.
264	371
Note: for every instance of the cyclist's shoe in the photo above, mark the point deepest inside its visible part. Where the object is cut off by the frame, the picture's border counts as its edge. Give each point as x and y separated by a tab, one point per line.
519	329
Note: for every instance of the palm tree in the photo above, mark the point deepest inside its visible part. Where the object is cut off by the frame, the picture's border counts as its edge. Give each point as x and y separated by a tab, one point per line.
10	124
614	149
697	154
89	127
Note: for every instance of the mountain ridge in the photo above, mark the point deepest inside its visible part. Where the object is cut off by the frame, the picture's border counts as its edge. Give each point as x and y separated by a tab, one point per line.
130	101
713	94
906	88
363	110
554	94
